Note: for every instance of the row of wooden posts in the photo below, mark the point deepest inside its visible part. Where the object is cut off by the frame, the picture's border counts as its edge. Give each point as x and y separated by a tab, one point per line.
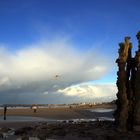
127	115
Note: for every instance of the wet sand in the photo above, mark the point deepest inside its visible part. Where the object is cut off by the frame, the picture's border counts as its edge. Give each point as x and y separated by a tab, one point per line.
50	113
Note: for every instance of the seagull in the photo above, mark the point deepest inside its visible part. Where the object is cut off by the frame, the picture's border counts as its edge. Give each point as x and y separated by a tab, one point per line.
57	76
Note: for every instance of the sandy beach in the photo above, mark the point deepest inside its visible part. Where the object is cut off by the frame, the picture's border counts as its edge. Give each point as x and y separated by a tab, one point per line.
87	126
64	113
47	113
54	112
50	113
57	120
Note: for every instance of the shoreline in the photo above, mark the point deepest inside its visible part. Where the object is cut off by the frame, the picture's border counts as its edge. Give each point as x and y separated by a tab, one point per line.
54	114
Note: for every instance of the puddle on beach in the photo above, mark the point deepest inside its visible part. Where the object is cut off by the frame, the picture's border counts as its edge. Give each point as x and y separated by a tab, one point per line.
38	119
33	138
20	138
22	118
103	114
88	120
101	110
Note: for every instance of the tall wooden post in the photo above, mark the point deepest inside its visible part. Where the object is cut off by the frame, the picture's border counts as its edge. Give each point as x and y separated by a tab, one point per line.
137	85
121	114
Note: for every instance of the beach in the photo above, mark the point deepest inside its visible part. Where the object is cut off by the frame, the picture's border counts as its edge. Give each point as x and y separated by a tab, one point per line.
55	112
47	113
62	123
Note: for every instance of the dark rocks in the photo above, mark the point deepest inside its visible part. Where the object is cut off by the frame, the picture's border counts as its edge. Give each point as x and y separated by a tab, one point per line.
4	130
42	136
25	137
1	135
101	130
23	131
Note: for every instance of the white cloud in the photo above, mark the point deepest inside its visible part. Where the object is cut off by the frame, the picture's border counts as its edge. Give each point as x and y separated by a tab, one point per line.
46	92
35	67
5	81
91	91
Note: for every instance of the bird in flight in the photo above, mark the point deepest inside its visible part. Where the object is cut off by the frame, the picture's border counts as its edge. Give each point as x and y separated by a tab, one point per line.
57	76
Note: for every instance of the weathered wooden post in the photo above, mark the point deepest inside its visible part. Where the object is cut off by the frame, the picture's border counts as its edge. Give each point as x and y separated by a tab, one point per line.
121	114
137	86
5	111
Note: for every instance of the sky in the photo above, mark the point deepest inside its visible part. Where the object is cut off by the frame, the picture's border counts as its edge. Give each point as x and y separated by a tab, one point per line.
63	51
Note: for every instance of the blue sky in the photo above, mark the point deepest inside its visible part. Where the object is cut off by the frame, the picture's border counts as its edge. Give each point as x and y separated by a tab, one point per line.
85	26
85	21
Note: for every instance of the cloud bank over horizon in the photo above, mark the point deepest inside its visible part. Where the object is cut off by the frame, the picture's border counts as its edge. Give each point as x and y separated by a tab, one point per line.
52	68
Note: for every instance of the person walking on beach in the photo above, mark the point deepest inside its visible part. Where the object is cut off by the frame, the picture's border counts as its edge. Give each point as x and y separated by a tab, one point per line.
5	111
34	108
